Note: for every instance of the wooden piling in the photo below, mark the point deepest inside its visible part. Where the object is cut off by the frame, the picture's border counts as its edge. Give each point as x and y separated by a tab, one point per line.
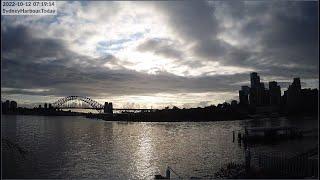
233	136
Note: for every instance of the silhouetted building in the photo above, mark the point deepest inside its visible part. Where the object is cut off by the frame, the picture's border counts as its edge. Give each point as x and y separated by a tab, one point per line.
5	106
39	106
254	79
293	99
13	105
257	90
9	106
50	106
244	95
266	97
275	93
45	105
234	103
309	100
296	83
108	107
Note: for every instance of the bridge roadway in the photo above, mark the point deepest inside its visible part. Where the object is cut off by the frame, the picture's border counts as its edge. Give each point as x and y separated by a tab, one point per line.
114	109
107	107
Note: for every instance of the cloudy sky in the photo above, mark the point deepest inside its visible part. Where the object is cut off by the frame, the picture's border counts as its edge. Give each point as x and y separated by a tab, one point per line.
143	54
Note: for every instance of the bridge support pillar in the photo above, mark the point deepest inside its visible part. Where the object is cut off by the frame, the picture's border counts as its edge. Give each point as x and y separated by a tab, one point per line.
108	108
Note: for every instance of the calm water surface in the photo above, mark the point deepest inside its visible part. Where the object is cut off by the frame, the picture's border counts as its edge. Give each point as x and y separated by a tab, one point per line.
76	147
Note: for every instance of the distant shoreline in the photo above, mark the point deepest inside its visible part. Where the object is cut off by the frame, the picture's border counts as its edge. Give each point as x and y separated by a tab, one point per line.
135	118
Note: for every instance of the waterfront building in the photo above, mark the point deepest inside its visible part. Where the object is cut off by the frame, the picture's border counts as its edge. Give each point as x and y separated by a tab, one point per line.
266	97
275	93
254	79
13	105
257	91
9	106
6	106
244	95
309	100
294	95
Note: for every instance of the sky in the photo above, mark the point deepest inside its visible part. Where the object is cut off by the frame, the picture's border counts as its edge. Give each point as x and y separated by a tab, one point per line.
156	54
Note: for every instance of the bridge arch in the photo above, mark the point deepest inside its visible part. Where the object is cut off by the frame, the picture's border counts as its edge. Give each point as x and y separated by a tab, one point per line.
94	104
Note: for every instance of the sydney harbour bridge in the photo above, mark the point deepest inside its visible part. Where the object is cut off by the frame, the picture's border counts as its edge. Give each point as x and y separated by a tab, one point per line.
82	102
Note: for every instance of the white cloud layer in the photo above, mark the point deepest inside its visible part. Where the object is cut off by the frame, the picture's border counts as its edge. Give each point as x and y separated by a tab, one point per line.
188	41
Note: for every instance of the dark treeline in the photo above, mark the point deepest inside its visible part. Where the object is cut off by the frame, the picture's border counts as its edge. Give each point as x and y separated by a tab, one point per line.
210	113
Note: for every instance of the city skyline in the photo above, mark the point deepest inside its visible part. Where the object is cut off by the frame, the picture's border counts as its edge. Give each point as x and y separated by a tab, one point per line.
267	96
150	53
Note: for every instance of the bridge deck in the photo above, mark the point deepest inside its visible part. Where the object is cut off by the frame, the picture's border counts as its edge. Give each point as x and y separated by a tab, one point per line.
114	109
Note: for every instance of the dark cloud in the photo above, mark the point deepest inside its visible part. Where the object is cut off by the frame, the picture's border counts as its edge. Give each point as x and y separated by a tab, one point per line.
195	22
281	40
70	73
285	32
162	47
293	37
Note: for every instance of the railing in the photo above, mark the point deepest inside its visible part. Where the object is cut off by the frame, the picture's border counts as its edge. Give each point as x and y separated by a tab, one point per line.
298	166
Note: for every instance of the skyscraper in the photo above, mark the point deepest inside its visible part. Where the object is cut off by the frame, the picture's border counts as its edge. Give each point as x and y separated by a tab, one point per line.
254	79
257	90
294	95
275	93
244	95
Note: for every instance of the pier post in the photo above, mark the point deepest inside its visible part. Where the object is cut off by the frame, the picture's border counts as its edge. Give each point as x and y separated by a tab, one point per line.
247	159
233	136
168	173
239	137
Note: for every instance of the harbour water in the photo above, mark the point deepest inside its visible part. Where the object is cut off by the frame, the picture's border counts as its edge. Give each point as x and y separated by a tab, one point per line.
76	147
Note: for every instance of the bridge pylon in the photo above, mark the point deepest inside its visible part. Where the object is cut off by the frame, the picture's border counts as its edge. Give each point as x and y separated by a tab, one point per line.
108	108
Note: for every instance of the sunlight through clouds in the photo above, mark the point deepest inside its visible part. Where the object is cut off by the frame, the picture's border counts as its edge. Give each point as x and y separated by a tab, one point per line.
144	51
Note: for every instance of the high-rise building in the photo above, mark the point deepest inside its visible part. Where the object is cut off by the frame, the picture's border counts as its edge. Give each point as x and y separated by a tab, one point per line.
294	95
254	79
266	97
45	105
5	106
309	100
296	83
275	93
257	90
244	95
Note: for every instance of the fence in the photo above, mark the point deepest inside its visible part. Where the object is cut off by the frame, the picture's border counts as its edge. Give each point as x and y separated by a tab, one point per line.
298	166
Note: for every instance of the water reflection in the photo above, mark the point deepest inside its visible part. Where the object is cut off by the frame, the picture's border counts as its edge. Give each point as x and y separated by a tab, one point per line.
75	147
